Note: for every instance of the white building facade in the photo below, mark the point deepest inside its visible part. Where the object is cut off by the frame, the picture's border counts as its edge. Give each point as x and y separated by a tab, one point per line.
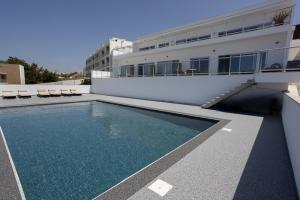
231	44
201	62
101	59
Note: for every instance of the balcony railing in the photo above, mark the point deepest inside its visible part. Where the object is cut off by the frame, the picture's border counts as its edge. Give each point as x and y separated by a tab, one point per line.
262	61
280	17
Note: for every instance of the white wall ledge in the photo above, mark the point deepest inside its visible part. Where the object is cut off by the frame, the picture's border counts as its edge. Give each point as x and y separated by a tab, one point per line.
32	89
290	119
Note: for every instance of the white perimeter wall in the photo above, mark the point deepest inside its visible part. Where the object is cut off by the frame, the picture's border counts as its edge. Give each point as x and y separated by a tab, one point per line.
181	89
277	77
32	89
22	74
290	119
66	82
295	52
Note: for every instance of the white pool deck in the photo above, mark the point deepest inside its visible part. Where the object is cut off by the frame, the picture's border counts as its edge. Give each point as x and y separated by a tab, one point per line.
246	160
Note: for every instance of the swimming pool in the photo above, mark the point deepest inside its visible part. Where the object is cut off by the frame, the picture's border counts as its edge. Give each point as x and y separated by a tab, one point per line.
79	150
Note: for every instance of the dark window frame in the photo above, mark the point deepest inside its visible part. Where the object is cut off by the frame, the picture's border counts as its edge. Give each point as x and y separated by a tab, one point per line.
200	60
162	45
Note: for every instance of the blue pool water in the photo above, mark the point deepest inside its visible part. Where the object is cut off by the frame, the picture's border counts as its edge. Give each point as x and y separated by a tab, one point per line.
79	150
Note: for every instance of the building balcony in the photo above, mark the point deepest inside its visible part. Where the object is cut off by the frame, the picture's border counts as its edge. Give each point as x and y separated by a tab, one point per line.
280	17
214	40
262	61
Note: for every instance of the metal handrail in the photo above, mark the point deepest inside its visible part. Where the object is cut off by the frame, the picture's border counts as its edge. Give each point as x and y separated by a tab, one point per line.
207	74
240	63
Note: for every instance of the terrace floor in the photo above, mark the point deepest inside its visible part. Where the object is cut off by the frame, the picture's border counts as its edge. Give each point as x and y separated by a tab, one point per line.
249	162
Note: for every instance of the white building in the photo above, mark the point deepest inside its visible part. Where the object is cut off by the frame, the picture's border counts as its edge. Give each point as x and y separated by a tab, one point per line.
101	59
215	45
185	64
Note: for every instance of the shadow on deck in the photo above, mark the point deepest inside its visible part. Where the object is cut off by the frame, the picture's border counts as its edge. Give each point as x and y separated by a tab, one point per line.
268	172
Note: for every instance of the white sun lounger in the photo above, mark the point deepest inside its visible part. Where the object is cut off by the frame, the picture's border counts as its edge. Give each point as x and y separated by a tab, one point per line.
43	93
54	93
75	92
9	94
65	92
24	94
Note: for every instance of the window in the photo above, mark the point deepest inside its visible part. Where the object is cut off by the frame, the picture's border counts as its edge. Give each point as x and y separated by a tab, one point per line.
123	71
162	45
140	70
230	32
147	48
195	64
195	39
168	67
127	70
253	28
234	31
146	69
263	59
200	65
131	70
161	68
224	64
237	63
248	62
182	41
2	78
205	37
245	29
222	34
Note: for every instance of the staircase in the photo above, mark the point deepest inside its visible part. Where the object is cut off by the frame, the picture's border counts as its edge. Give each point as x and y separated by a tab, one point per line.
228	94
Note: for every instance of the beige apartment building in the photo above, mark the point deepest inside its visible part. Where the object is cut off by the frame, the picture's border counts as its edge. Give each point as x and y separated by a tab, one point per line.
101	59
12	74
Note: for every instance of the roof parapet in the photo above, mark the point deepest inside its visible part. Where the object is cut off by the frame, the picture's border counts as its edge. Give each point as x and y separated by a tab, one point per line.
255	8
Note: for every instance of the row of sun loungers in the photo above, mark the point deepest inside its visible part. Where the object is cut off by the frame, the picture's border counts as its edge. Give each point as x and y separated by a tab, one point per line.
41	93
54	93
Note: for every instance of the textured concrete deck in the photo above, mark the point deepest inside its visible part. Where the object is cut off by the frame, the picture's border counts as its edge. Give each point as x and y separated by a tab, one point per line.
8	183
250	162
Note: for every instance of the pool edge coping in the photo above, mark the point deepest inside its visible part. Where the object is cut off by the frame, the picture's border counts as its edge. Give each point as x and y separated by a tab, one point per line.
98	99
21	191
163	110
46	104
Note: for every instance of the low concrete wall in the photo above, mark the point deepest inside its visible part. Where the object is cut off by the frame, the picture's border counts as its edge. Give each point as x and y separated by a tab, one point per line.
181	89
290	119
66	82
32	89
278	77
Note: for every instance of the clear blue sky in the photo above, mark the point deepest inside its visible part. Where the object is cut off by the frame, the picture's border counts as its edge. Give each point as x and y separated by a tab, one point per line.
60	34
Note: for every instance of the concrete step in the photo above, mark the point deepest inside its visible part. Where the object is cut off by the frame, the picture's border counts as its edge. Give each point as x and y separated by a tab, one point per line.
228	94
